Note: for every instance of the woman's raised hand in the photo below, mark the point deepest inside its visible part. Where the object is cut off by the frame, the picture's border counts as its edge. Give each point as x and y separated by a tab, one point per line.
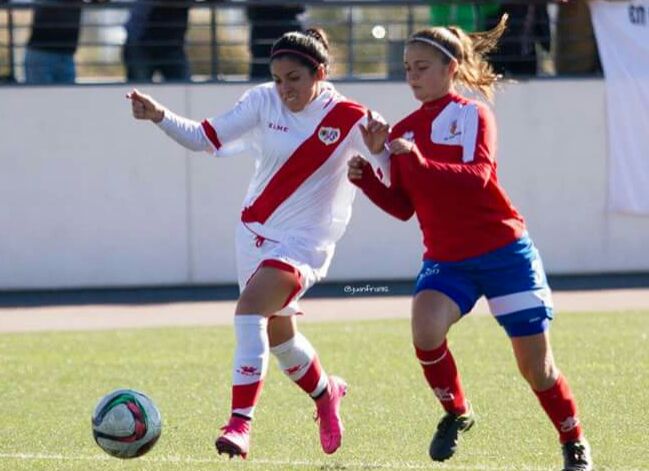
375	134
145	107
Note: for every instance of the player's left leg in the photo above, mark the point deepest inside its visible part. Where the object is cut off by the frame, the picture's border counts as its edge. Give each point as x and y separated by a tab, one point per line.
516	287
536	363
442	295
300	362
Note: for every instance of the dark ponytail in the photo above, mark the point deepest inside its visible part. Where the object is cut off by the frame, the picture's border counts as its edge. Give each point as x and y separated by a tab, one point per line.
319	35
310	48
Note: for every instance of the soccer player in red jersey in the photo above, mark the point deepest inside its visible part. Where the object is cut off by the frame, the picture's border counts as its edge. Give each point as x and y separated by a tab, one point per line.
443	169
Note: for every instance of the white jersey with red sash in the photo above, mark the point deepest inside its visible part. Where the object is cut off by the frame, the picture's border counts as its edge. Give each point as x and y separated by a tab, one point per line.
300	189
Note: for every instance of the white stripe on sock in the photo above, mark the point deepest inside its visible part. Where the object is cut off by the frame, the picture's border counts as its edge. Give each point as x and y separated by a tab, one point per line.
437	360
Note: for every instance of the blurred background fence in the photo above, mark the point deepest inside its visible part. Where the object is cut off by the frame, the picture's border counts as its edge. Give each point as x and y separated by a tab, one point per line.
217	36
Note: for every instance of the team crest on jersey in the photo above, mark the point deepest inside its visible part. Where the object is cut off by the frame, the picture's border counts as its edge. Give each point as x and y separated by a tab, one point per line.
329	135
409	136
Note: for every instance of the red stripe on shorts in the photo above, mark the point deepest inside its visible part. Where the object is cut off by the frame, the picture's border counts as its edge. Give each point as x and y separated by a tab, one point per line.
278	264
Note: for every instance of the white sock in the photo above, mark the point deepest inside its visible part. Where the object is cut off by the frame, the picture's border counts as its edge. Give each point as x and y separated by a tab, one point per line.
299	361
250	362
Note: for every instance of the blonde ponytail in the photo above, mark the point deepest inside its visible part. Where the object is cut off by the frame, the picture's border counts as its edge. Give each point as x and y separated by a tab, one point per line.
469	49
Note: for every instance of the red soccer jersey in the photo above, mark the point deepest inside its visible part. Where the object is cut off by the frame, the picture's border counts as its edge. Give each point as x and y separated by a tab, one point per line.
451	182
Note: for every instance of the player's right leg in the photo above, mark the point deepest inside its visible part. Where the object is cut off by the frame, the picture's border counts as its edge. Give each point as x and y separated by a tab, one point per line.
442	296
300	362
433	313
265	293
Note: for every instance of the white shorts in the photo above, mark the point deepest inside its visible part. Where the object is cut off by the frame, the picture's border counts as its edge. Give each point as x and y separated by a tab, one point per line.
292	254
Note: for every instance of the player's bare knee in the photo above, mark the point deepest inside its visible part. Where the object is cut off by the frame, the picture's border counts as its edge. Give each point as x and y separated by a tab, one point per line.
281	330
540	373
535	360
429	328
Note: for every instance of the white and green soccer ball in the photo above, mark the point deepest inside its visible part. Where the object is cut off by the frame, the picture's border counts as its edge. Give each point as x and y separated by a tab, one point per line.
126	423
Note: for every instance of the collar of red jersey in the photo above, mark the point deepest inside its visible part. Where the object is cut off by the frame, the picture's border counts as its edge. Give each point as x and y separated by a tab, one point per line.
439	102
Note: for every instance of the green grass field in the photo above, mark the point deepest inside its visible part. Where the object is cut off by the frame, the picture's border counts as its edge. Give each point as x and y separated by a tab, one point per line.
50	382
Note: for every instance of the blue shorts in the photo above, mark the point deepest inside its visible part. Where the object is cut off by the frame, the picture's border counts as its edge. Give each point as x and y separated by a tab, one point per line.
512	278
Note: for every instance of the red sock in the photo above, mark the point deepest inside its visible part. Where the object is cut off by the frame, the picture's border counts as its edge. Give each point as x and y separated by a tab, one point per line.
245	398
442	376
559	403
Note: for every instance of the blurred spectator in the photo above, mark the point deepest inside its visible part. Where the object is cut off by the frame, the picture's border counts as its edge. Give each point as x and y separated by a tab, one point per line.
155	40
576	49
267	23
528	27
49	57
9	77
469	17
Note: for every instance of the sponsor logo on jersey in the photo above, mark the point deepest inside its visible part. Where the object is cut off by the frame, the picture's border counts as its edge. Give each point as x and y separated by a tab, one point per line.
328	135
277	127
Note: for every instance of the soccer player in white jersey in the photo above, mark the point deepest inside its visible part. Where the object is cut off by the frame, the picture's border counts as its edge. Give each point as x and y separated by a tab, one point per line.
297	207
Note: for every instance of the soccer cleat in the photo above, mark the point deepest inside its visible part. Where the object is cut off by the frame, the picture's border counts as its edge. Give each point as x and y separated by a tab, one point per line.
576	456
235	439
445	440
328	413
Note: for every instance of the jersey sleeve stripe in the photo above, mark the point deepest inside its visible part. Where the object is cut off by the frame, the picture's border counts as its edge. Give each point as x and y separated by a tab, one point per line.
210	134
470	137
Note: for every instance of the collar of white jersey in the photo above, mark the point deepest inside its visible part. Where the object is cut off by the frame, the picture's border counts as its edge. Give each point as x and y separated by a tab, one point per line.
328	96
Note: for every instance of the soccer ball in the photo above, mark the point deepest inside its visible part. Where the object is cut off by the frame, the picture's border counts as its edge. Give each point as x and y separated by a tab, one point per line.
126	423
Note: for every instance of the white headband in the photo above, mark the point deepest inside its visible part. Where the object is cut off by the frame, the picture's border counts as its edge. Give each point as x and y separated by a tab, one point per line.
435	44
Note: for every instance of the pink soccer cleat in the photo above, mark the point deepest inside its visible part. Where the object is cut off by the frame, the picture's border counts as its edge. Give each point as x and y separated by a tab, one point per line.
328	413
235	439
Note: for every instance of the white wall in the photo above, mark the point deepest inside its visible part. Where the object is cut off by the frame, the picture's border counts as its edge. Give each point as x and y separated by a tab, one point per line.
89	197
